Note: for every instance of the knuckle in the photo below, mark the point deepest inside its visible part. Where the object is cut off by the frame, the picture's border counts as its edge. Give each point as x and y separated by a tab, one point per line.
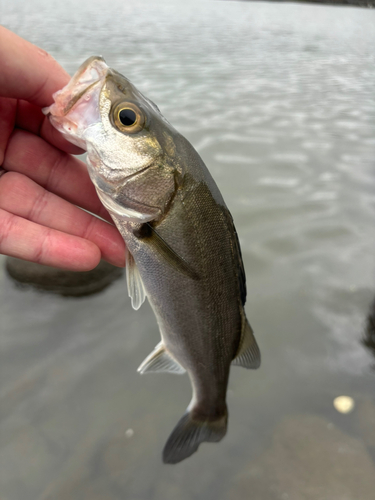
39	91
90	228
54	176
39	204
43	249
7	223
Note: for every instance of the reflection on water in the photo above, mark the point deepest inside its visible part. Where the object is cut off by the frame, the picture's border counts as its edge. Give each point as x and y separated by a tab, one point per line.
279	101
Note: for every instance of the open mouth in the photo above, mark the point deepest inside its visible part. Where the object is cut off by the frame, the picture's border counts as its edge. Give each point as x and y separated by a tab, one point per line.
88	76
76	106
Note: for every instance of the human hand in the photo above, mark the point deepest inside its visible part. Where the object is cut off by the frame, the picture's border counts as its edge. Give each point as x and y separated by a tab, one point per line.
40	181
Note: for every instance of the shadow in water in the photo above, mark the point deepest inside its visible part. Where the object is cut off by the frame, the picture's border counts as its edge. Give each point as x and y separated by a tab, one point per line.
369	334
62	282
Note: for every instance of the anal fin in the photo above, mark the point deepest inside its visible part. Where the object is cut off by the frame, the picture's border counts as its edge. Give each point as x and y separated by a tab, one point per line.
248	355
160	361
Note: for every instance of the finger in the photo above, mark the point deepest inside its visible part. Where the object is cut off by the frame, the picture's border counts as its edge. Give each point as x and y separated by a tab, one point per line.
20	196
30	118
56	171
8	110
28	72
18	79
53	136
29	241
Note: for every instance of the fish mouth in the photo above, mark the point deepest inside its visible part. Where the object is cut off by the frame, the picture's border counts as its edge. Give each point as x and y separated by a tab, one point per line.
91	73
76	106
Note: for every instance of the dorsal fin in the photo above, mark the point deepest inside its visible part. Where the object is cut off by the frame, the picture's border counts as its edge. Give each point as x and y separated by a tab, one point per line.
236	250
248	354
136	289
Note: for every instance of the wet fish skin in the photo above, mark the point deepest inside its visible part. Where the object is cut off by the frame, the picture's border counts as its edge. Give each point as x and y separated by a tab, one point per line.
183	250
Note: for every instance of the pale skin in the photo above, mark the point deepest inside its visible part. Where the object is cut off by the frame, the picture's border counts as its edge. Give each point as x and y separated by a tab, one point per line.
43	182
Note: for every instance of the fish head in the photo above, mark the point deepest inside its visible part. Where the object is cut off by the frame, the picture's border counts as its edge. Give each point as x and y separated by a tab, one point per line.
102	112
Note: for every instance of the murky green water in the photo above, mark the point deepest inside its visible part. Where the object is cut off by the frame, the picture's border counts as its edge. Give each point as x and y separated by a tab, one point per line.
279	100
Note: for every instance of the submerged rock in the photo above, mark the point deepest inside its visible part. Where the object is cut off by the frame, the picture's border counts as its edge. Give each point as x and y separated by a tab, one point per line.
366	424
59	281
309	459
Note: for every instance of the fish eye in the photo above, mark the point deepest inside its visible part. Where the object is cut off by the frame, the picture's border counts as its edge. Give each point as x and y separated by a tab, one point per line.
128	118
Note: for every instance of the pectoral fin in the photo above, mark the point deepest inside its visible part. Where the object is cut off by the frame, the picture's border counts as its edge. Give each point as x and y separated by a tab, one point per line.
136	289
248	354
160	361
175	260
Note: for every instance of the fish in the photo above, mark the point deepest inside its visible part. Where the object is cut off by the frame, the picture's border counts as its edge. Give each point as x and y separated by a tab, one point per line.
183	252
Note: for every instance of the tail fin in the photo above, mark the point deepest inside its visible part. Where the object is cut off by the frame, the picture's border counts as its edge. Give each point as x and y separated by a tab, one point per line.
190	432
